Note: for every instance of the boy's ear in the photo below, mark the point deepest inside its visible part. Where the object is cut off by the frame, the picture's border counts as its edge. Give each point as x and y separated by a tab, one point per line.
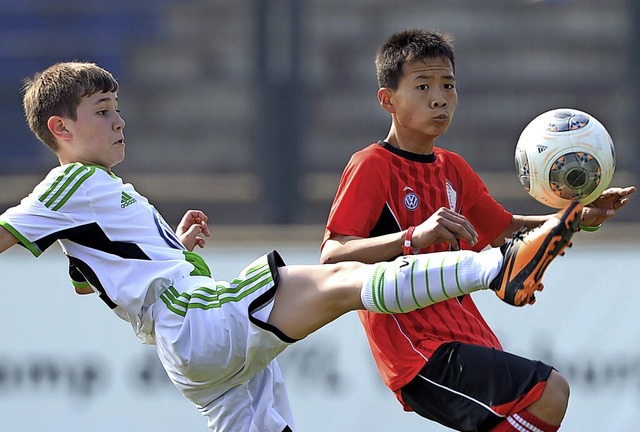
384	97
57	127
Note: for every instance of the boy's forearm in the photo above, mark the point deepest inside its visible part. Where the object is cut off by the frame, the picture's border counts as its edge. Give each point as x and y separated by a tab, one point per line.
518	222
366	250
6	239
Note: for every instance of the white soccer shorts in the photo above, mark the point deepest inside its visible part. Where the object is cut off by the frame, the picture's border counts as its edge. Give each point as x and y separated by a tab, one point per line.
213	340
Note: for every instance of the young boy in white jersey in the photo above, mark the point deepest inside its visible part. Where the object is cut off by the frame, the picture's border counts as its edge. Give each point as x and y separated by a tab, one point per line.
218	340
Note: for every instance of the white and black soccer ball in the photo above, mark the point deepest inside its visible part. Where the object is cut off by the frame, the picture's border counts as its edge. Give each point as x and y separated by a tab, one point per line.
565	155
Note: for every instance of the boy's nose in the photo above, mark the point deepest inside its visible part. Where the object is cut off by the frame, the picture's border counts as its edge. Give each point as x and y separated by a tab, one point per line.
438	103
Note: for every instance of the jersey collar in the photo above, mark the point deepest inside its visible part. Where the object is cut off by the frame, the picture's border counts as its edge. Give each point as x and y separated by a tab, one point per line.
428	158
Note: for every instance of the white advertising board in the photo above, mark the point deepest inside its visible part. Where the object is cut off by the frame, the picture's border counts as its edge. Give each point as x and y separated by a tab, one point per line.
67	363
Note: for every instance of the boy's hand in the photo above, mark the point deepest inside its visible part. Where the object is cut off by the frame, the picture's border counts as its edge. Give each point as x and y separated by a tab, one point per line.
190	229
606	205
444	226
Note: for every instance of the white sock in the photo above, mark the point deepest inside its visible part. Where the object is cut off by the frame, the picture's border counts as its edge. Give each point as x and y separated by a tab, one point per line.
416	281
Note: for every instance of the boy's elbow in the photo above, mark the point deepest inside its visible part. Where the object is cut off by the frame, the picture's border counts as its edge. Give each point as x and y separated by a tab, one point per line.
325	258
330	255
333	251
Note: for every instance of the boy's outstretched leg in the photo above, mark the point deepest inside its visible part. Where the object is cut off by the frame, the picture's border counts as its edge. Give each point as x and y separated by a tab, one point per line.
514	271
310	296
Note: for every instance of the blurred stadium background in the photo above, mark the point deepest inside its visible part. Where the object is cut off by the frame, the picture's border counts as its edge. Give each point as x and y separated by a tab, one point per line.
249	110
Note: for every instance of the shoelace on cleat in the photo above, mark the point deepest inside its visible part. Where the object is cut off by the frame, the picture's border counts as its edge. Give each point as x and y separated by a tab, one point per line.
520	234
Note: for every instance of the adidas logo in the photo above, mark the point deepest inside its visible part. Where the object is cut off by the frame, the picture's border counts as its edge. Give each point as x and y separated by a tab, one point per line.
126	200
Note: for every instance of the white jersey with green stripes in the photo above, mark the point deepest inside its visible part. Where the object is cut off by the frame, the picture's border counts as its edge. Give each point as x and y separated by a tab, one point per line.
115	240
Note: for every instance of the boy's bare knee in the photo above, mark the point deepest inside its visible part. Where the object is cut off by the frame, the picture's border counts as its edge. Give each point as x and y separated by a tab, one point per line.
558	391
552	405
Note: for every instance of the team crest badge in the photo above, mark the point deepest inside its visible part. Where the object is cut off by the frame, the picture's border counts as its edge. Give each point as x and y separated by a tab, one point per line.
411	200
452	196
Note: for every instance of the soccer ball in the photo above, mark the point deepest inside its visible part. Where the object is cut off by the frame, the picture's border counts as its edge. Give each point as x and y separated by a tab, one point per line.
565	155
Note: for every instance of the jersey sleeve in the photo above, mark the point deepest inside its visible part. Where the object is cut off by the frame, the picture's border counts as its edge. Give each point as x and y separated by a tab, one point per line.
28	223
488	217
42	214
360	197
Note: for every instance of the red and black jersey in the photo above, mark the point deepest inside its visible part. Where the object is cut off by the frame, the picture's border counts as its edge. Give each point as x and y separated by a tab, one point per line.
383	190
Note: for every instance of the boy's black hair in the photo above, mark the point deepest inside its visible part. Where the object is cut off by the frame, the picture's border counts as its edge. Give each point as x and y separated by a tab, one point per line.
408	46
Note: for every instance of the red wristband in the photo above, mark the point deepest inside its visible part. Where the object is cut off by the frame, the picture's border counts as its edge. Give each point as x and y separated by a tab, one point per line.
407	248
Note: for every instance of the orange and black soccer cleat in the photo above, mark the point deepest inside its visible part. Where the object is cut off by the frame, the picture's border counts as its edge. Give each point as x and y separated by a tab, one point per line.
528	254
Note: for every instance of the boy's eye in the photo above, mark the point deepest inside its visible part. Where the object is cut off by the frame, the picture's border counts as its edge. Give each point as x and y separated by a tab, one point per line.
449	86
423	87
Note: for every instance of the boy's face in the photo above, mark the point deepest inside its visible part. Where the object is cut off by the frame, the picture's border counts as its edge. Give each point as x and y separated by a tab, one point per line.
96	136
426	97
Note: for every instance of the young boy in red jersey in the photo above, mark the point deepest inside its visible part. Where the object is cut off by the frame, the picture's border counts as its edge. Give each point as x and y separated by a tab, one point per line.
402	196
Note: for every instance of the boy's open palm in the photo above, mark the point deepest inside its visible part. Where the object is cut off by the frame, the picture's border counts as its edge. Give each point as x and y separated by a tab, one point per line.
606	205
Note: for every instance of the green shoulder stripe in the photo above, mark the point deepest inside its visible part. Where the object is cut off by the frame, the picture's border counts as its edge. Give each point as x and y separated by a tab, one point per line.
55	184
65	185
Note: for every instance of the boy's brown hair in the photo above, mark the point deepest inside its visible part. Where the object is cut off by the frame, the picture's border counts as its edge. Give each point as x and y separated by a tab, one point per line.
57	91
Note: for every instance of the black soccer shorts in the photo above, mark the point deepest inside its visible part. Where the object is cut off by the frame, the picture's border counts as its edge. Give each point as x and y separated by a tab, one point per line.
472	388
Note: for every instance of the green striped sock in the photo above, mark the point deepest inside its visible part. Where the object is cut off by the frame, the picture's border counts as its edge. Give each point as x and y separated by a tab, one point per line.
417	281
